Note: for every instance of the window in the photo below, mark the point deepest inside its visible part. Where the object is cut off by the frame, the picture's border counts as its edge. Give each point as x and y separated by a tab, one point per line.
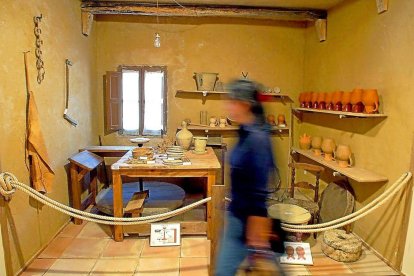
140	107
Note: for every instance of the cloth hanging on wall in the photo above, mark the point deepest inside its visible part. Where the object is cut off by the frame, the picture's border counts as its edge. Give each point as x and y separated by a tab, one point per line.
41	172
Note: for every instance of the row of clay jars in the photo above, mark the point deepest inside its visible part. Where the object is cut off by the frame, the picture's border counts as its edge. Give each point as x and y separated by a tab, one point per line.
342	153
357	100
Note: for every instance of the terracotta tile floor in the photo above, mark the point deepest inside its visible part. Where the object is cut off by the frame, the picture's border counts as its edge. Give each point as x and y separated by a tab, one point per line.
89	250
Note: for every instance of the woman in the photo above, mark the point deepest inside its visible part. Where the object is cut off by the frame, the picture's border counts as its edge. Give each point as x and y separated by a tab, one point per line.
251	162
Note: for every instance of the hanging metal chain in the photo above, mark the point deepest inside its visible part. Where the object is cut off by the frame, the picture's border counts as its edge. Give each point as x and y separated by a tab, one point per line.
38	52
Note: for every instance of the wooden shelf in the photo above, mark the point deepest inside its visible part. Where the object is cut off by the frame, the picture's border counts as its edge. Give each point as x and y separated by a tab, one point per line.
268	96
228	128
341	114
355	173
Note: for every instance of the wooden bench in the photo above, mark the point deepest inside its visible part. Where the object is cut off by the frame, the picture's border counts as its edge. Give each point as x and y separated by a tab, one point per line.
80	164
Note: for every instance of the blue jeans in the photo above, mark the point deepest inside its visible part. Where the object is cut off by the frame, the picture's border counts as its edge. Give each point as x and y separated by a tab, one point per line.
233	247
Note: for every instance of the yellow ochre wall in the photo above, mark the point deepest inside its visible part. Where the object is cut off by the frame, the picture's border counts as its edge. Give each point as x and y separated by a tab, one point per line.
369	50
31	225
272	53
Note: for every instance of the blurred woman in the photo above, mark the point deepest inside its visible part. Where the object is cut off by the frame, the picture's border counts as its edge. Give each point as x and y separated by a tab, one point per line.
251	162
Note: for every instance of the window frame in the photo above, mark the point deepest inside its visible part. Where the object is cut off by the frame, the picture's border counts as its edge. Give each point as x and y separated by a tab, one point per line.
141	85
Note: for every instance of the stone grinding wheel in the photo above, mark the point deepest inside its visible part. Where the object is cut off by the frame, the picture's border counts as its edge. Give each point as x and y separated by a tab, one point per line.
163	197
340	246
337	201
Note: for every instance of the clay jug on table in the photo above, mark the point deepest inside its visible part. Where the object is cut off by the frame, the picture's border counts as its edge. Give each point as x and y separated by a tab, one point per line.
328	147
346	102
356	100
343	156
304	141
184	137
336	100
316	145
370	100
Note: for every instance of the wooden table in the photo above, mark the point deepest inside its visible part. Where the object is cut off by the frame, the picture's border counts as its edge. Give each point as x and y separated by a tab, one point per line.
202	165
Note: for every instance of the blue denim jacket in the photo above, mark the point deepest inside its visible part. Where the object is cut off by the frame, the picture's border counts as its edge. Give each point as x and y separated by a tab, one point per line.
251	162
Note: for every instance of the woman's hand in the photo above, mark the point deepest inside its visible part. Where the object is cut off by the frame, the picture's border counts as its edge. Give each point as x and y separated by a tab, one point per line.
258	231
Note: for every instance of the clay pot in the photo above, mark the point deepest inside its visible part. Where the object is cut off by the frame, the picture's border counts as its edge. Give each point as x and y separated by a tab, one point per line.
370	100
343	156
305	141
314	99
308	97
184	137
222	122
336	100
281	121
271	119
213	121
346	102
316	145
328	147
200	144
356	100
302	99
322	100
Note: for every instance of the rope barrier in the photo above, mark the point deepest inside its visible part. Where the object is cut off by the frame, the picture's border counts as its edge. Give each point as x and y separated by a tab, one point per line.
9	183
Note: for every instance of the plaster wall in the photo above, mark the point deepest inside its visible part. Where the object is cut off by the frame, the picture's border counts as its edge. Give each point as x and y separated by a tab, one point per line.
365	49
30	225
271	53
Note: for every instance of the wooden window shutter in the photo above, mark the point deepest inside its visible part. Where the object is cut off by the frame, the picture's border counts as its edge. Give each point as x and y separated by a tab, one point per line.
113	101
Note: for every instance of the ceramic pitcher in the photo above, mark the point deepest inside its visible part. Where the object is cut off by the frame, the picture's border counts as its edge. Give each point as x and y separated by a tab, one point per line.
184	137
370	100
328	147
316	145
343	156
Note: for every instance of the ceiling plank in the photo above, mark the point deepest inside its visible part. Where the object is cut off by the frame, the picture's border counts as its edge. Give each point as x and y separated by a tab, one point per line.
149	9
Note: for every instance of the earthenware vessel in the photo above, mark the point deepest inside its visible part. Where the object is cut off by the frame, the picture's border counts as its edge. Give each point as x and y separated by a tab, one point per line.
346	102
316	145
213	121
356	100
304	142
336	100
314	99
302	97
328	101
200	144
370	100
184	137
281	121
328	147
222	122
271	119
322	100
343	156
308	98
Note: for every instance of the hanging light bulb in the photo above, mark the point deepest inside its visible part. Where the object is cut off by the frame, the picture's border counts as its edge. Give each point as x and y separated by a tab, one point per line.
157	40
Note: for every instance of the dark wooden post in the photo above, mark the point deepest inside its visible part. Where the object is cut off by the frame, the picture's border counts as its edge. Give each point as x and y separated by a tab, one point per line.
217	219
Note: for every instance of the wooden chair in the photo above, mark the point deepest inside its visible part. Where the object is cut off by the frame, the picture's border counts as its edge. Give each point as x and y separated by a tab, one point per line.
311	206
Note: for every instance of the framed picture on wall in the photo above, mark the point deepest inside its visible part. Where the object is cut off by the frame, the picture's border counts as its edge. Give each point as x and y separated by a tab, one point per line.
297	253
165	234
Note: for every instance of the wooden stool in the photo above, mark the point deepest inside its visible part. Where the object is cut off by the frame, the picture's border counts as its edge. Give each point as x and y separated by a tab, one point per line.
291	214
81	164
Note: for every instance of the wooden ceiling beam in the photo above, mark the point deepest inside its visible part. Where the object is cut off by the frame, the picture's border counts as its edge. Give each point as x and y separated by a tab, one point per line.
150	9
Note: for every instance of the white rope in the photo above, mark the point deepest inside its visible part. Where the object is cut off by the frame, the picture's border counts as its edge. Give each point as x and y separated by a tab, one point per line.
354	216
9	181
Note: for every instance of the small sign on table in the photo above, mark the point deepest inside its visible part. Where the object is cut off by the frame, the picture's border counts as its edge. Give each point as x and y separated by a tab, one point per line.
165	234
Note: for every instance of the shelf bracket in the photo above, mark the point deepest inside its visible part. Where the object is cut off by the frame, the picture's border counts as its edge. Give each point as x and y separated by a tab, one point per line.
298	114
382	6
205	93
338	174
320	26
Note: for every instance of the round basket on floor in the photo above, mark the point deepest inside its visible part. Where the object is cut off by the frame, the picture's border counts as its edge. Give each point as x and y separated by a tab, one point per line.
163	197
340	246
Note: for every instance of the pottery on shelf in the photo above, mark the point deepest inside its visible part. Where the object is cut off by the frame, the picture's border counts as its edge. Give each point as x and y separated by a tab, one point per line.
213	121
316	145
302	97
305	141
308	98
370	100
184	137
336	100
271	119
346	101
281	121
356	100
314	100
328	147
343	156
222	122
328	101
322	100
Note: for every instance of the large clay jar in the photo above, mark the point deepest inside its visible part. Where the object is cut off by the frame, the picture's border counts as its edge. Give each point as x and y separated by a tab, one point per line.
328	148
346	102
302	99
356	100
305	141
336	100
314	99
308	97
321	100
184	137
370	101
343	156
328	101
316	145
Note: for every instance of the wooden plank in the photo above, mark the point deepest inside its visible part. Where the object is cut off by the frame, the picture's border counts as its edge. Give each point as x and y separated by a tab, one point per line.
341	114
108	149
86	160
217	223
87	22
320	26
355	173
136	202
117	203
151	9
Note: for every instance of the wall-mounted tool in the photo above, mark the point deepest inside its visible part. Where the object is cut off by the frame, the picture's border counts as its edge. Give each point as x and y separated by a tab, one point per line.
65	115
39	42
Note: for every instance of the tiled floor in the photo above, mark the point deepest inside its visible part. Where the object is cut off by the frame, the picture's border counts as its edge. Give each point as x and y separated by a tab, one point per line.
89	250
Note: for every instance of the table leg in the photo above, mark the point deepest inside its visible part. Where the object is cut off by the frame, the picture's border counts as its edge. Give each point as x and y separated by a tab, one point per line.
117	201
76	190
211	180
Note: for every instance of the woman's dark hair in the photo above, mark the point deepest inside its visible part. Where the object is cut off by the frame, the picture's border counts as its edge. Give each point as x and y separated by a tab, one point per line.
247	90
